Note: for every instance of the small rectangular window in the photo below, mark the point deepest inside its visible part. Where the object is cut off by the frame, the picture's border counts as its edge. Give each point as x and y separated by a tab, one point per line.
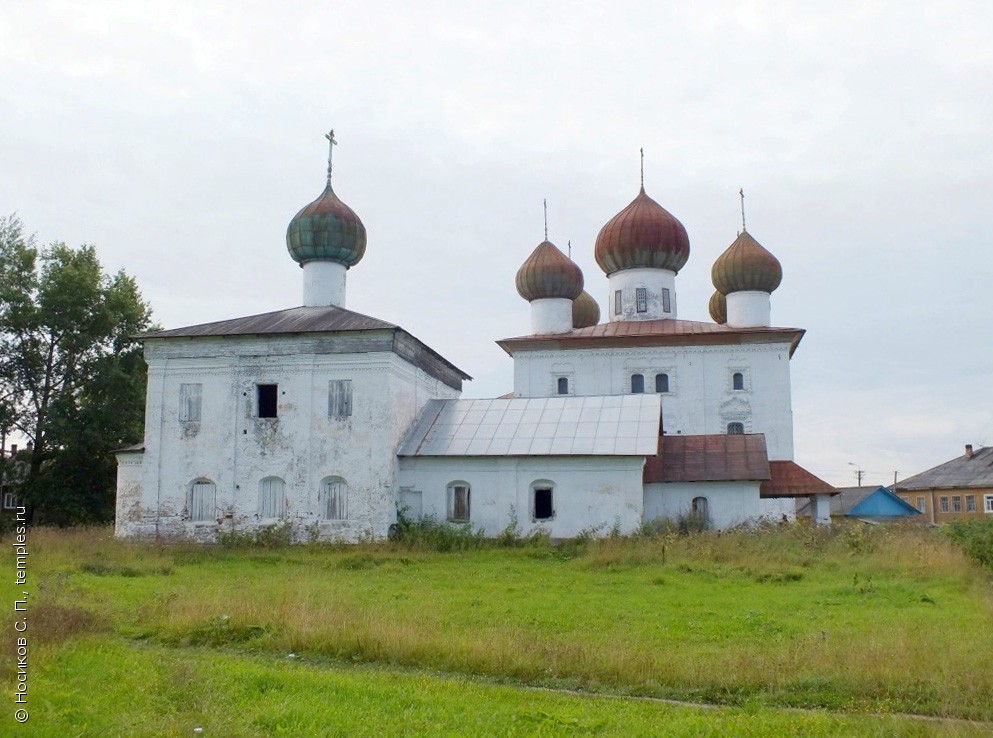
666	304
641	299
661	382
563	385
637	383
340	399
736	429
9	501
267	400
543	504
970	503
334	496
920	504
617	302
943	504
988	503
189	402
203	501
458	508
956	504
738	381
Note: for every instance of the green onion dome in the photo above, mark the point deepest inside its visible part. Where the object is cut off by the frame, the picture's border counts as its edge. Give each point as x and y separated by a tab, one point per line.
585	311
326	230
746	265
718	308
644	235
549	273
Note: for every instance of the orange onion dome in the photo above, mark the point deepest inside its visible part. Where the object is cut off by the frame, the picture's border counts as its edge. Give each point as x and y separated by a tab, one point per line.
746	265
718	308
643	235
585	311
549	273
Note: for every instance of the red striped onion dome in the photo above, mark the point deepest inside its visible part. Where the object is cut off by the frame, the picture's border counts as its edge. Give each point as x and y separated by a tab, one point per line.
644	235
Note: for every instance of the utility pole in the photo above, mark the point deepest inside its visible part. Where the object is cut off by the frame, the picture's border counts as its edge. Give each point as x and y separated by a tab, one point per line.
858	472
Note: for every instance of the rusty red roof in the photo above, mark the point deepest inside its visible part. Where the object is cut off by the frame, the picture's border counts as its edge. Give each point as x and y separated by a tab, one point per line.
789	479
631	333
708	458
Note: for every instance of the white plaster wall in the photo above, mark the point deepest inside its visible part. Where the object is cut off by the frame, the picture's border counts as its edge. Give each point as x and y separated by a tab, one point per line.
654	281
324	284
728	503
749	309
589	492
551	315
236	450
129	513
701	399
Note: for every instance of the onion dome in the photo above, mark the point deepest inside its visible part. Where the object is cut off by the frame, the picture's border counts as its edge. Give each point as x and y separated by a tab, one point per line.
746	265
585	311
718	308
549	273
642	235
326	230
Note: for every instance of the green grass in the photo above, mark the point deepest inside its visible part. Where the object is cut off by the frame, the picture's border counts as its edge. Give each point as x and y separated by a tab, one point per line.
854	621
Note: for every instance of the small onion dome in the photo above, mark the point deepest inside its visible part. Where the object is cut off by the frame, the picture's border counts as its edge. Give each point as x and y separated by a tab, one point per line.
642	235
718	308
585	311
326	230
746	265
549	273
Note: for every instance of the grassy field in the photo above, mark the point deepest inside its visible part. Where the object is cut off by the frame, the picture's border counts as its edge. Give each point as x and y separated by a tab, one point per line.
861	626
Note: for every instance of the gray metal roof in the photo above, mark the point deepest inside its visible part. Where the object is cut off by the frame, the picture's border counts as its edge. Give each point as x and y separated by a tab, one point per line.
961	473
292	320
622	425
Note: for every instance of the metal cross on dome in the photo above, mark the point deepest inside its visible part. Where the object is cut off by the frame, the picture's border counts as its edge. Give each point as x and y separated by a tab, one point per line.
331	144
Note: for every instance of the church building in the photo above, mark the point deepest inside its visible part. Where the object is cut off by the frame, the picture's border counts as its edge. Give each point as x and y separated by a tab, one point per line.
337	422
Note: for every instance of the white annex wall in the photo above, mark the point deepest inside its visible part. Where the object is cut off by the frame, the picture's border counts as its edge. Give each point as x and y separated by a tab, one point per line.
701	398
590	492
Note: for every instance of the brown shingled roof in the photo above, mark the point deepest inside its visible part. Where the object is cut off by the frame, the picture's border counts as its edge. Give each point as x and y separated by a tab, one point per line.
710	458
792	480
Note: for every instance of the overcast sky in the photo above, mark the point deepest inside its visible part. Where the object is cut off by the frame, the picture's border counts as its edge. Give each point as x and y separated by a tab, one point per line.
180	138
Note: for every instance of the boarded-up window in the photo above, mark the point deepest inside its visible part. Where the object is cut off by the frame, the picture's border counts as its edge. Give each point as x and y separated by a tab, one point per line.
272	498
666	302
267	400
736	429
637	383
661	382
641	299
189	402
334	498
203	501
459	500
340	399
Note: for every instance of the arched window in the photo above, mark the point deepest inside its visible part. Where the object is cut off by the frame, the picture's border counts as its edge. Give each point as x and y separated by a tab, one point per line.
661	382
459	502
272	498
637	383
203	500
333	498
542	500
701	511
736	429
563	384
738	381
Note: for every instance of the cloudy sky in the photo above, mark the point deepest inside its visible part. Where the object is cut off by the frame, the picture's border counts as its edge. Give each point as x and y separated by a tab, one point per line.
180	138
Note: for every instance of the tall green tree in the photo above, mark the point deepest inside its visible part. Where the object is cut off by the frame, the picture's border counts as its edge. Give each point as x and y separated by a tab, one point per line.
72	378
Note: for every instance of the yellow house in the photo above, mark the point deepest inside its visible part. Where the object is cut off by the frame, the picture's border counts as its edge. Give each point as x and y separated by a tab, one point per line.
959	489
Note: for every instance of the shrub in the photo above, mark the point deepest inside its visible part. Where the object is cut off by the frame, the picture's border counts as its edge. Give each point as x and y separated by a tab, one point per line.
975	537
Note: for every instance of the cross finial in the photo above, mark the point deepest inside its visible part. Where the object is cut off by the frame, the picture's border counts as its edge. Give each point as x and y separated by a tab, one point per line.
642	150
331	144
569	246
742	193
545	204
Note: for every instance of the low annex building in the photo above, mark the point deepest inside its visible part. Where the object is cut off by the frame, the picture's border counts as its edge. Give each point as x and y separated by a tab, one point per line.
336	422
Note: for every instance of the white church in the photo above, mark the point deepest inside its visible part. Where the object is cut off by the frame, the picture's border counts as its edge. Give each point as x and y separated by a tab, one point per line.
336	422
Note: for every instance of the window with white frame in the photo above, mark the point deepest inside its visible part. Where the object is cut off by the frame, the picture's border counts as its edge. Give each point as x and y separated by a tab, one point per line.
333	498
459	502
203	501
9	499
920	504
988	503
641	299
340	399
272	498
189	402
957	503
943	504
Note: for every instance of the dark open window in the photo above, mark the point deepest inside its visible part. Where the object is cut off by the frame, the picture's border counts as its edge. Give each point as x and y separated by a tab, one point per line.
543	503
736	429
661	382
641	299
738	381
637	383
563	385
267	400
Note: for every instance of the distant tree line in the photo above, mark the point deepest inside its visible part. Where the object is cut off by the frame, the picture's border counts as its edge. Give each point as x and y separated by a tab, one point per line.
72	376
